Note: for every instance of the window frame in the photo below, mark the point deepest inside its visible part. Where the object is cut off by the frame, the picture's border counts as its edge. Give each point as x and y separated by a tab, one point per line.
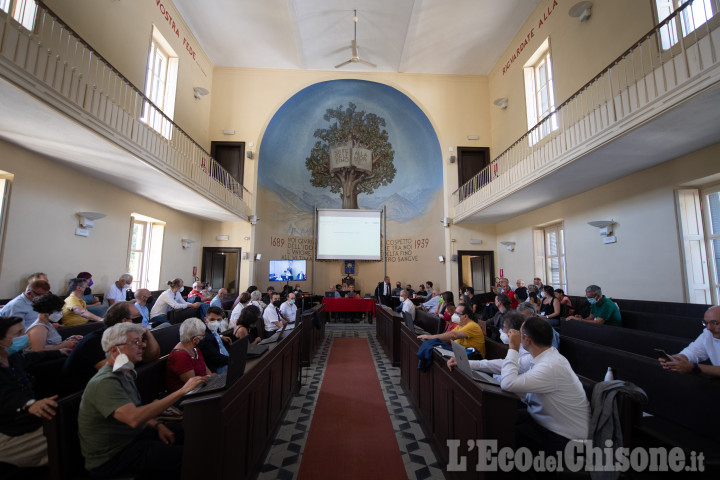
671	33
711	253
17	10
163	102
543	259
541	121
150	252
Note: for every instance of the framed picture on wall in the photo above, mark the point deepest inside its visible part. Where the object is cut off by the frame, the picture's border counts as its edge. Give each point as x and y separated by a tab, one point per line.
349	267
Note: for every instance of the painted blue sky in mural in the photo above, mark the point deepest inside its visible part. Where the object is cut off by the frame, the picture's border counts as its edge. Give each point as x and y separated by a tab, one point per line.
288	140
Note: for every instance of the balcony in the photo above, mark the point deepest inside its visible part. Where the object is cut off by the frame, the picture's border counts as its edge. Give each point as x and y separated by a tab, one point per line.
659	100
61	99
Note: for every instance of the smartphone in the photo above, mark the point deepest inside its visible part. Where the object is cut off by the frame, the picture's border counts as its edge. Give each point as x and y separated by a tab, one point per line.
664	355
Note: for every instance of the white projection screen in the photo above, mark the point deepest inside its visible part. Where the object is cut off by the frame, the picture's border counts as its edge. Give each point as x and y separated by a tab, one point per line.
349	234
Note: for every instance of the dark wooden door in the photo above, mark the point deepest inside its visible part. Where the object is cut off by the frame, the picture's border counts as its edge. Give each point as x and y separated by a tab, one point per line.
471	160
231	156
221	267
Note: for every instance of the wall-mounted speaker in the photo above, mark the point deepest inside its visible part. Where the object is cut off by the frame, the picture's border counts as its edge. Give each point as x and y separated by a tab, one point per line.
452	158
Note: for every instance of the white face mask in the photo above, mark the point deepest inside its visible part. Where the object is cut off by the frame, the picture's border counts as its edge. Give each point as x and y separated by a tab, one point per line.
213	325
542	294
504	338
455	318
55	317
123	364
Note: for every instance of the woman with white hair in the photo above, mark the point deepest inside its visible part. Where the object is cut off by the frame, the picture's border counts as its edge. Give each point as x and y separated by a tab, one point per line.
186	360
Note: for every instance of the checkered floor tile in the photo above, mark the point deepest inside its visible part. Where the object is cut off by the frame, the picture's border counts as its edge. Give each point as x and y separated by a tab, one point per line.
283	460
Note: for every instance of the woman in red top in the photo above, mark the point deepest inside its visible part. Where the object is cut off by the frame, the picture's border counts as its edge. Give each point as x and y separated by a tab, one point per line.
186	361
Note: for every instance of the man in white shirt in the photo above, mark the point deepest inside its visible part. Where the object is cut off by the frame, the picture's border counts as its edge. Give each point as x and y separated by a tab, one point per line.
705	347
557	407
116	292
288	310
433	301
407	304
22	306
271	317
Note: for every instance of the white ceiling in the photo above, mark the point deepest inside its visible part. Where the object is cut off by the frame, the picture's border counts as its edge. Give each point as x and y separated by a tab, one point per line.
410	36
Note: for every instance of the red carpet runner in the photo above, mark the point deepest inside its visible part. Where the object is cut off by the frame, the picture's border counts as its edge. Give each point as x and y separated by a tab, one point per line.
351	436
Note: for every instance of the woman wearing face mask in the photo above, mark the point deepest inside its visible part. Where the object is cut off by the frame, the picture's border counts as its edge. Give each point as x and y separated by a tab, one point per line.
22	442
186	360
450	325
42	334
550	306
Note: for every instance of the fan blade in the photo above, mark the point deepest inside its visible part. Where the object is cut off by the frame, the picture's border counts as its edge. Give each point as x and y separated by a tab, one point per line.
369	64
343	64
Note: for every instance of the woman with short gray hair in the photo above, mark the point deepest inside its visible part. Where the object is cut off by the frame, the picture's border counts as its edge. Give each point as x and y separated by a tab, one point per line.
186	361
117	335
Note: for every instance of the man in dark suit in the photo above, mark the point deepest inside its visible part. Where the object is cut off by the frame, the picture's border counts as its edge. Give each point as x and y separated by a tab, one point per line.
383	292
213	344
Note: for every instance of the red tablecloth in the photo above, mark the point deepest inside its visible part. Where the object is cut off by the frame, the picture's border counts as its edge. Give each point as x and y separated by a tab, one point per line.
349	305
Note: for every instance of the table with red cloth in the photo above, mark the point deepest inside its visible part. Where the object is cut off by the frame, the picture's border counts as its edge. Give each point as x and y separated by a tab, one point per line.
350	305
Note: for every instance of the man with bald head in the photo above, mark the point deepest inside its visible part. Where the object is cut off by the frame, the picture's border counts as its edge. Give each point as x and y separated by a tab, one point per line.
116	292
218	299
705	347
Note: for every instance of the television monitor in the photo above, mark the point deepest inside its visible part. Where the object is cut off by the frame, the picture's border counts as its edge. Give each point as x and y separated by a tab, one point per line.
288	270
349	234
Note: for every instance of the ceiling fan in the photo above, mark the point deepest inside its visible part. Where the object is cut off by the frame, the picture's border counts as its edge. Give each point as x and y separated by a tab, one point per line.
355	58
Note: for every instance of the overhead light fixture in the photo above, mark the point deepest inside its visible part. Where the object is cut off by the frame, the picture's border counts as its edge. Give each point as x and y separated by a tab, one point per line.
186	242
605	226
501	102
510	245
581	10
200	92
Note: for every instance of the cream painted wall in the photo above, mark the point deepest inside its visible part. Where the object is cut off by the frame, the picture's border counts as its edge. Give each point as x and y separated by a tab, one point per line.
645	263
41	222
121	32
579	51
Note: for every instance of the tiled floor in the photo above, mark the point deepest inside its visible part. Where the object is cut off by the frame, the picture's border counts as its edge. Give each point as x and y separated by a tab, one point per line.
283	460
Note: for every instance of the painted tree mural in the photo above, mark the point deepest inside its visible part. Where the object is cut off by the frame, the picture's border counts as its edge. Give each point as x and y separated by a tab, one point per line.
352	156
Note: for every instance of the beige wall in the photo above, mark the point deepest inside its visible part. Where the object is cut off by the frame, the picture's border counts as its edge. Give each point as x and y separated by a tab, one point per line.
121	31
645	263
41	223
579	51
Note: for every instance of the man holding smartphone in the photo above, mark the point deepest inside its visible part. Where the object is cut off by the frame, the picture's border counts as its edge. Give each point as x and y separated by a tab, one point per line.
705	347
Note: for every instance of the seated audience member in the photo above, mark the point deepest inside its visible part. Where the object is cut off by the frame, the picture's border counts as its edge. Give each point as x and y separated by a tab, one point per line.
38	276
118	290
186	360
421	291
74	311
118	434
473	300
409	290
88	356
249	290
94	305
406	305
267	296
537	283
218	299
142	297
468	334
247	324
237	310
447	317
705	347
512	321
271	316
445	297
43	334
21	306
495	324
528	310
602	309
519	283
212	345
534	299
198	293
170	299
432	301
398	288
256	299
22	442
288	309
521	293
507	290
564	301
557	408
550	306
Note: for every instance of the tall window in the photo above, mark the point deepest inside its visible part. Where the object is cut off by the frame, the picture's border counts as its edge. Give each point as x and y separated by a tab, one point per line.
691	18
21	10
160	84
550	255
539	94
5	179
145	252
712	220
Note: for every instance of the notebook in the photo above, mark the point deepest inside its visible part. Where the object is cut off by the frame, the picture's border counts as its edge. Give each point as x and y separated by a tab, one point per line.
255	350
236	369
463	364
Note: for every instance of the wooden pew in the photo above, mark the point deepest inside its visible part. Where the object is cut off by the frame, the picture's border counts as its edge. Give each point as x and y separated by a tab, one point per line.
313	325
387	329
83	330
429	322
179	316
167	338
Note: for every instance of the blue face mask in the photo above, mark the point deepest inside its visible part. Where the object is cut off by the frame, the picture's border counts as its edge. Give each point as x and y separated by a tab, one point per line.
17	345
592	300
291	302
